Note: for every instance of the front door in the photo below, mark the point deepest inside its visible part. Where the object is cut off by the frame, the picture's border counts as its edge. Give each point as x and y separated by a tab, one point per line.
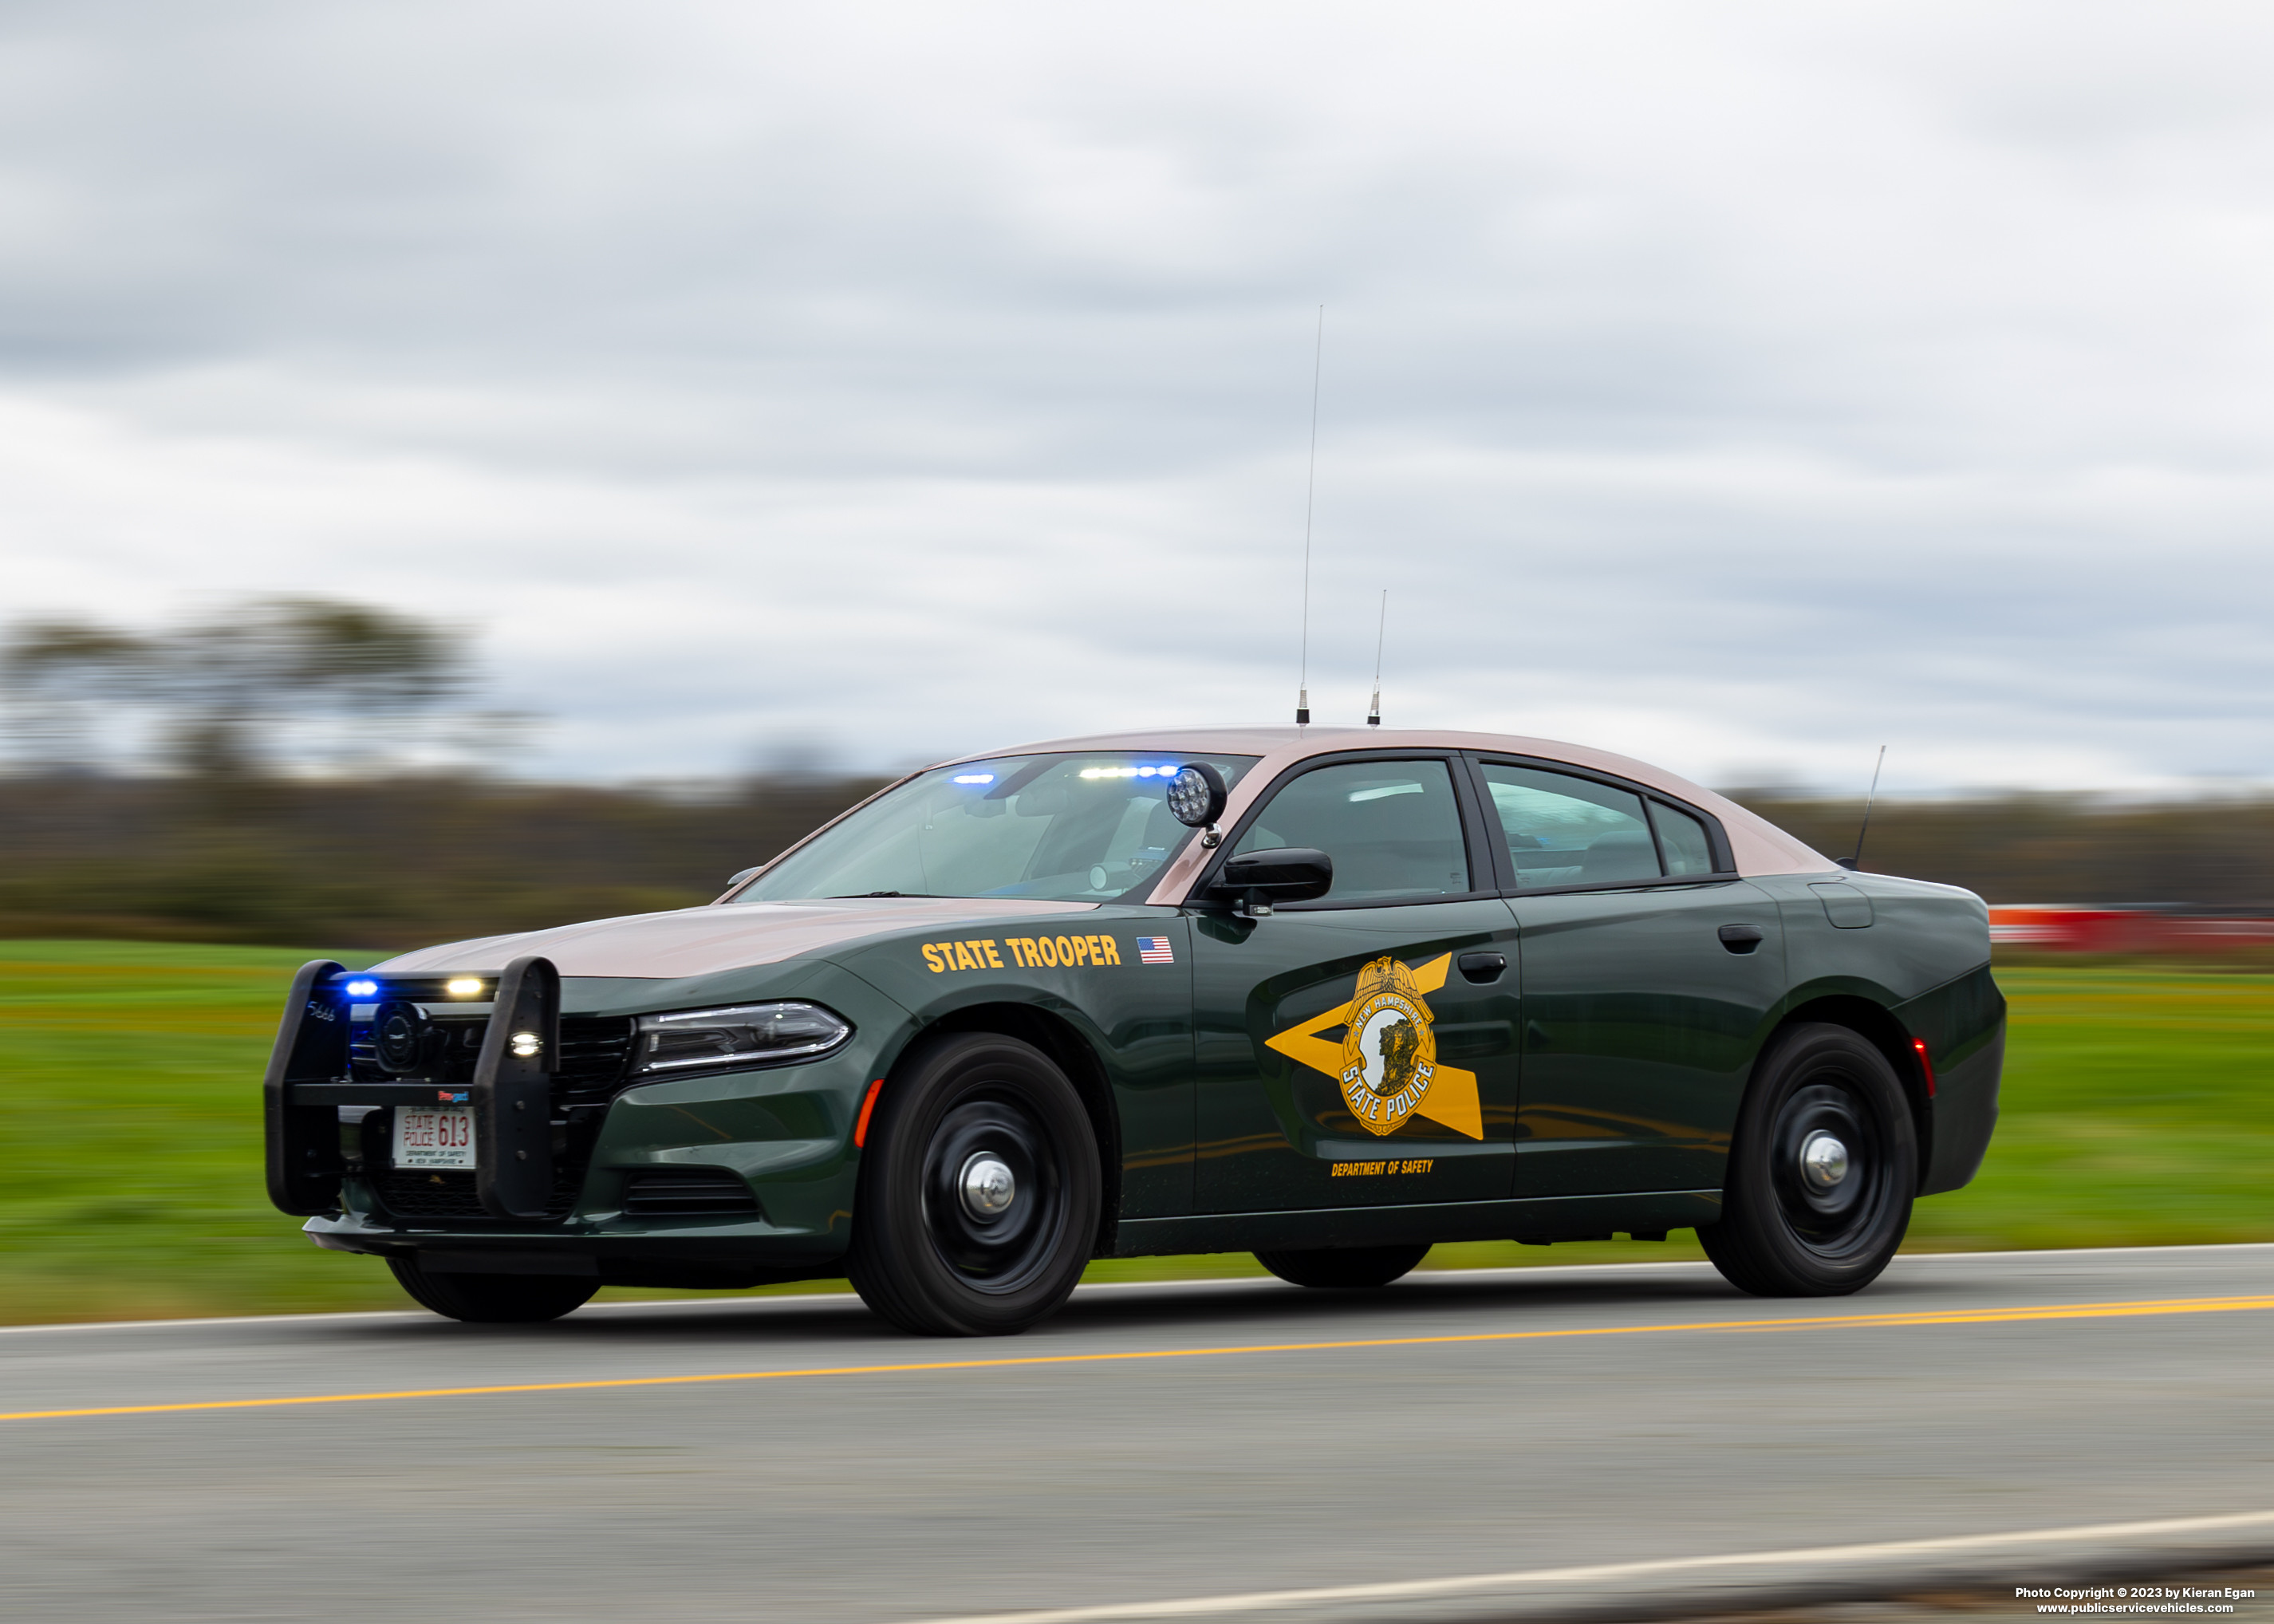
1359	1049
1649	973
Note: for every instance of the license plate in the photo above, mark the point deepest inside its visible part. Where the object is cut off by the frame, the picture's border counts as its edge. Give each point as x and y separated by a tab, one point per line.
434	1136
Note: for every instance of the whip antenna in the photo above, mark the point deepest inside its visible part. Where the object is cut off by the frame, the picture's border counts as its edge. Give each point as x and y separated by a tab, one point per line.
1849	862
1373	713
1310	492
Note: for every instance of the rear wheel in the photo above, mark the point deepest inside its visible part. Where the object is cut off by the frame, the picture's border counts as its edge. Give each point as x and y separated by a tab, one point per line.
979	1195
494	1299
1349	1268
1822	1169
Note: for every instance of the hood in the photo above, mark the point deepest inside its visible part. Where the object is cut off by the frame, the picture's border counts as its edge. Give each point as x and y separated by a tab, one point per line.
705	940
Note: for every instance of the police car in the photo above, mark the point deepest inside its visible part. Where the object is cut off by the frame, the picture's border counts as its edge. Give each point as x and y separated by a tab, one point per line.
1328	996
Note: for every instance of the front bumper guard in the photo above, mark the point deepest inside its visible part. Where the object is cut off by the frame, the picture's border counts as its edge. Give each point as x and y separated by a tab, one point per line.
511	1093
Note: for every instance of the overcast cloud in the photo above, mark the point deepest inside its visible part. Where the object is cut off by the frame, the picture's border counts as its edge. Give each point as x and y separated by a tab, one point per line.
1740	387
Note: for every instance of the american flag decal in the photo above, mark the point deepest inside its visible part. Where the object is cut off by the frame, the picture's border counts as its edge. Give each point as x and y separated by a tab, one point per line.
1155	950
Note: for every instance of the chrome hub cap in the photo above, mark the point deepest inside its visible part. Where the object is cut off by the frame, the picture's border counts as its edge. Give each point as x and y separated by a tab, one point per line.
1829	1163
994	1190
1823	1160
988	1185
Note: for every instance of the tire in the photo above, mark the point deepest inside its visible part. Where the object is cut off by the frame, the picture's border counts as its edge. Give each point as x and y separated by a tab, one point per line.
1344	1267
494	1299
928	1254
1786	1232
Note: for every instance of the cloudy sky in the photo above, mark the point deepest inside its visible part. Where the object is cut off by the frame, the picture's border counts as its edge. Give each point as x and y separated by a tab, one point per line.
1741	386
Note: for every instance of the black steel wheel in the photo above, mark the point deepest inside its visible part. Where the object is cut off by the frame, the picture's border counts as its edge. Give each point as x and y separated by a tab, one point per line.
1822	1170
1344	1267
494	1299
979	1191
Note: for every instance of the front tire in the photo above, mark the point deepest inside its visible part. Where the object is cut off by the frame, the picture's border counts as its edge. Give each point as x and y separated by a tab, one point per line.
1822	1169
494	1299
978	1199
1359	1269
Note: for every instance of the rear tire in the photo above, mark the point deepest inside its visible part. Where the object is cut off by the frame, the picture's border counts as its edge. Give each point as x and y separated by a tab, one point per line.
1822	1169
978	1202
494	1299
1344	1267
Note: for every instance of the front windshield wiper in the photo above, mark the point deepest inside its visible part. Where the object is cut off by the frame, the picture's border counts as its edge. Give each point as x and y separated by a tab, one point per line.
852	896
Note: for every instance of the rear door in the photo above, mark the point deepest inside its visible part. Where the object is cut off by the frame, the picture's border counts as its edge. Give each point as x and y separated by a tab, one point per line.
1650	969
1359	1049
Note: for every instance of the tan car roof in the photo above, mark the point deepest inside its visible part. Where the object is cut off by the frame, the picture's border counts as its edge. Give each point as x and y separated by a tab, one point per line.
1758	845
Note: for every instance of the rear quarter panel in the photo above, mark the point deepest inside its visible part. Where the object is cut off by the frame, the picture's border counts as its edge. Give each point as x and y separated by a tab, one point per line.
1925	959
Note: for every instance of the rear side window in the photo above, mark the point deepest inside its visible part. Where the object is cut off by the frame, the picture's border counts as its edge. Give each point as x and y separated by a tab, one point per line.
1683	839
1392	828
1562	830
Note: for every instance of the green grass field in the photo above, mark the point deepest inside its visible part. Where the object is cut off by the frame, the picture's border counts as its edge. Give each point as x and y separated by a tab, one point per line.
2135	1113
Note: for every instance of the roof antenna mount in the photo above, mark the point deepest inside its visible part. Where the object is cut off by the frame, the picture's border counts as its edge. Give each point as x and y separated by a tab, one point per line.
1850	863
1310	493
1373	711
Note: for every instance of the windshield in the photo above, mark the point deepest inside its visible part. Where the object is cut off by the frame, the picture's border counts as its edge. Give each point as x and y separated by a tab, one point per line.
1087	826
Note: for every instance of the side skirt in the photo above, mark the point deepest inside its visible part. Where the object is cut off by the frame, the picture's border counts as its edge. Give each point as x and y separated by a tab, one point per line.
1541	1218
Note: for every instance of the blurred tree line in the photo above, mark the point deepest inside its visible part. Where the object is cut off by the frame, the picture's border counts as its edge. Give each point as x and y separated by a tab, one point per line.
304	771
2208	852
309	770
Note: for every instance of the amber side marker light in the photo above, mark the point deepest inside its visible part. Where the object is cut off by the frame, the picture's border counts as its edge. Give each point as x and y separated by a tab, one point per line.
861	1128
1919	1044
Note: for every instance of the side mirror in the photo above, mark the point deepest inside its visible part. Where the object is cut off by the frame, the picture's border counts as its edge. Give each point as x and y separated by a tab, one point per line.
1283	874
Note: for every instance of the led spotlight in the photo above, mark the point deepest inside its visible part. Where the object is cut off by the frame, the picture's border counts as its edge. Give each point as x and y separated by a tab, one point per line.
1196	794
525	1045
362	989
462	985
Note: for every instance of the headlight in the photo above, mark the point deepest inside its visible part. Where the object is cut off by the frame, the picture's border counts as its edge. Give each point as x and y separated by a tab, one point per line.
747	1033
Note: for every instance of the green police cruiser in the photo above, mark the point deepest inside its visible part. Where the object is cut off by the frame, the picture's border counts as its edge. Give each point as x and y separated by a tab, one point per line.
1329	995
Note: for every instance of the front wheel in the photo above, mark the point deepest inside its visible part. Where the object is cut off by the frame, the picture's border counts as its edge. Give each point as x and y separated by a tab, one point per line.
1346	1267
494	1299
978	1199
1822	1169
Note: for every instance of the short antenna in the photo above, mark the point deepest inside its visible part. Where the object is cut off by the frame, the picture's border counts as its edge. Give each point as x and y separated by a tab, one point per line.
1872	796
1310	494
1381	625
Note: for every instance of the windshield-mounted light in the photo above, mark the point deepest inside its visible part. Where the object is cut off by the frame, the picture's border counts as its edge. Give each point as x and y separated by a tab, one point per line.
744	1034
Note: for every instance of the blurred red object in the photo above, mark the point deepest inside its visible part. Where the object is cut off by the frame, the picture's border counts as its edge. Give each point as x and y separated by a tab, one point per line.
2062	928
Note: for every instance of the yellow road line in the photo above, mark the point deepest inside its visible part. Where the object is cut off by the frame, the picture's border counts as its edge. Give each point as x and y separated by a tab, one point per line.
1971	1316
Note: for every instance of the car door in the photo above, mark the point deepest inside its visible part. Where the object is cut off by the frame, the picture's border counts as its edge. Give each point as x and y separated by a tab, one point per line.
1359	1049
1649	971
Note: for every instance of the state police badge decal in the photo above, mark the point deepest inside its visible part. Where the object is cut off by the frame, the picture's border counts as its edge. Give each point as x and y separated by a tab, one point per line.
1390	1055
1387	1062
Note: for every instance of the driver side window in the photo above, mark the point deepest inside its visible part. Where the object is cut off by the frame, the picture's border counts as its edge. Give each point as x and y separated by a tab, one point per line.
1392	828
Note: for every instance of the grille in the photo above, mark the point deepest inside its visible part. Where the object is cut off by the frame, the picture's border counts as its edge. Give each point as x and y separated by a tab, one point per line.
418	1193
657	1195
593	1051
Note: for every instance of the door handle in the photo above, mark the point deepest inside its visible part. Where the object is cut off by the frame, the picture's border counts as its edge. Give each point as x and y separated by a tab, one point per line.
1740	938
1482	968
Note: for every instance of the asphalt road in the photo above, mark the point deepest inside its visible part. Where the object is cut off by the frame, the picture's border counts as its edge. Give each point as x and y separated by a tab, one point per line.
2001	1396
